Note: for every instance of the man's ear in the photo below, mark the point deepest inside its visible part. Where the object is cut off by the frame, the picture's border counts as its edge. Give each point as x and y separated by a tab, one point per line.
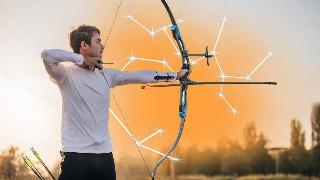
83	45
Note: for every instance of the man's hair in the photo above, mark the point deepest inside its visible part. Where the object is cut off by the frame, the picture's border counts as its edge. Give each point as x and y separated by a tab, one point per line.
82	33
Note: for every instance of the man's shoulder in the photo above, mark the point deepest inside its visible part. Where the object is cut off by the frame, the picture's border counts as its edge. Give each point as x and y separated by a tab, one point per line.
71	67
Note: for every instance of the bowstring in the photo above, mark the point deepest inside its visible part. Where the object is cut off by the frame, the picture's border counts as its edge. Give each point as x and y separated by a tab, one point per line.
113	22
113	95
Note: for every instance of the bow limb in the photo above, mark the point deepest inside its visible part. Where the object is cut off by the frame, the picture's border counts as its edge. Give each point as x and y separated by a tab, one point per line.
153	174
182	114
173	20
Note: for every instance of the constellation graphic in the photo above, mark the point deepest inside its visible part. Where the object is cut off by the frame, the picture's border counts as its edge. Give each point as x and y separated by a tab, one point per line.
151	32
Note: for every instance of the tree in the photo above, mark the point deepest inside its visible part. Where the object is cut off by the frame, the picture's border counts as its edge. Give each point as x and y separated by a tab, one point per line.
315	151
11	165
298	155
297	135
250	135
315	163
8	169
285	163
315	124
234	160
260	162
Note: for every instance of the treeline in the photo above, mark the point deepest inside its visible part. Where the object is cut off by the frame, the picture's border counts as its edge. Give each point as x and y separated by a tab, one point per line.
253	156
230	157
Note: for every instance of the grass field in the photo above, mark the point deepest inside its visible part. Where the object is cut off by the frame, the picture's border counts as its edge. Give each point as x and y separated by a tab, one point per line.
250	177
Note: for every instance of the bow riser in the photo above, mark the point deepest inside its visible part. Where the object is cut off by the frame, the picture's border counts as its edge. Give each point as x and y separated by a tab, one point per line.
183	101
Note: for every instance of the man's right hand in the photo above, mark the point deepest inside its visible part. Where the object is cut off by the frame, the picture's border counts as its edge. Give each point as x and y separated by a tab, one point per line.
91	63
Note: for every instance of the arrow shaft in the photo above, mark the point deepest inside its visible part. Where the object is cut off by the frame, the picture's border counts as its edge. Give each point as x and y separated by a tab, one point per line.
213	83
32	167
207	83
36	154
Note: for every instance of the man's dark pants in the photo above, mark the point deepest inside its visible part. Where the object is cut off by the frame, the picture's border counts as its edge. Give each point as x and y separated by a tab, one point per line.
87	166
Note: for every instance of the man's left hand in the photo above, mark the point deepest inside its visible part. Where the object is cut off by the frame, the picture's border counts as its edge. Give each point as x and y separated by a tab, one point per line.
183	72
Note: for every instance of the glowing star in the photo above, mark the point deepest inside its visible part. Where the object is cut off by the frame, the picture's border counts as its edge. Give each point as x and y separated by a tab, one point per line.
270	53
152	33
132	58
214	52
224	19
160	131
193	62
165	63
222	76
234	111
175	159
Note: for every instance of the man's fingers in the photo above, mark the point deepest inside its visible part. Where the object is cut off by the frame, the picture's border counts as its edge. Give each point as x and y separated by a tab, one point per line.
98	60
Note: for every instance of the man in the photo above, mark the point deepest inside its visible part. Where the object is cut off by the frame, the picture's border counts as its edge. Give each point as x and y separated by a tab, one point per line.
86	144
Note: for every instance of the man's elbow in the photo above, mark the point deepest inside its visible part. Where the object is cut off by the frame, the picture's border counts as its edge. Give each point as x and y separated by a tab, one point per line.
44	54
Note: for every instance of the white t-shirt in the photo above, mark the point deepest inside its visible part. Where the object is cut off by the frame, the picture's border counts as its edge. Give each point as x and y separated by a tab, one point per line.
86	99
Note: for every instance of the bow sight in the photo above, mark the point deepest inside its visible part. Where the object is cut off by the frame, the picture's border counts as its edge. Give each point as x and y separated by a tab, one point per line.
206	55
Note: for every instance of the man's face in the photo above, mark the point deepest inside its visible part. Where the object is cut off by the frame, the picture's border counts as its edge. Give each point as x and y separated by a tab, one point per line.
96	48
